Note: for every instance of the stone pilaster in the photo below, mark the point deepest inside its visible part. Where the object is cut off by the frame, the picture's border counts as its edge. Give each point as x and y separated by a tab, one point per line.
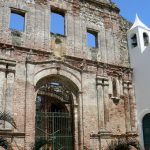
80	121
132	108
102	93
9	96
126	88
2	81
2	95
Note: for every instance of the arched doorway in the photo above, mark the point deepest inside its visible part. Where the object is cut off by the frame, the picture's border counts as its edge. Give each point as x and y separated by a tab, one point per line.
54	112
146	131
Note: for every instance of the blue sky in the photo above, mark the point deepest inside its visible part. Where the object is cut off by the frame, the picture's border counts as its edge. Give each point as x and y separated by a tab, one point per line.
17	22
129	8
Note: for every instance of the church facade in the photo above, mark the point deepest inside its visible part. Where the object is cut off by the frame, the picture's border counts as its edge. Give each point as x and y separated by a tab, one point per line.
57	86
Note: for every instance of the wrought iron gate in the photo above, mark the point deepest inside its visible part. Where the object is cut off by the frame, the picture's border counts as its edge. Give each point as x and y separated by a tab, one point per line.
56	127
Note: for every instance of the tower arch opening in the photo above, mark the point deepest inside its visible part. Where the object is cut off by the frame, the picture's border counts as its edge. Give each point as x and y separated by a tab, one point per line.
146	39
134	42
55	112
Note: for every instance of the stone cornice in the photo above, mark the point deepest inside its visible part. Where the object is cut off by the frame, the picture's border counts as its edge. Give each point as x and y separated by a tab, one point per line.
7	61
71	60
25	49
10	134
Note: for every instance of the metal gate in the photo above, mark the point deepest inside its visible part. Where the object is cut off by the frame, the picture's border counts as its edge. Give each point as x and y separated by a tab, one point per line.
56	127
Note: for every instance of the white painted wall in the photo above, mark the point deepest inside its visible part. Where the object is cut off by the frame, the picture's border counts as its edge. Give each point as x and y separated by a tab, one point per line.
140	62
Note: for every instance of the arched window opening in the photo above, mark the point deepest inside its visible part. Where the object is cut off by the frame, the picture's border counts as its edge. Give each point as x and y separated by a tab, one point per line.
146	39
114	85
134	41
146	131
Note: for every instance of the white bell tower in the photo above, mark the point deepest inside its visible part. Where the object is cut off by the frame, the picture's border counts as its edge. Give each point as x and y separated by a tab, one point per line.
139	50
138	36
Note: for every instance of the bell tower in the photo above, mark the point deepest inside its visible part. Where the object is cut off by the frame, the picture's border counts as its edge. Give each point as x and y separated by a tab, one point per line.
139	49
138	36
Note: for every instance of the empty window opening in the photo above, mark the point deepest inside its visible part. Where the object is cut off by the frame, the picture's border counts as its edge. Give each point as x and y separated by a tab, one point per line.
92	39
17	20
134	41
57	23
146	39
114	87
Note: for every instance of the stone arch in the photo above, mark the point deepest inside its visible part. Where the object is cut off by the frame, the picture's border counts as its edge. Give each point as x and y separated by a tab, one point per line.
54	71
65	75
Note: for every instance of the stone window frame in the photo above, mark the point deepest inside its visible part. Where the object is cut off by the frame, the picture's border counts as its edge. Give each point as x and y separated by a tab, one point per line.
95	33
60	12
20	12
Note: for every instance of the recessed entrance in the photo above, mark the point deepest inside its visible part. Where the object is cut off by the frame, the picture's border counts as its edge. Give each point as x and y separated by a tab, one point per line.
146	131
54	114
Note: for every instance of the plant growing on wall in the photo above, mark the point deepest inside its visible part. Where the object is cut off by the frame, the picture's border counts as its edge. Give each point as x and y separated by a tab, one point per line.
4	143
5	116
124	144
41	142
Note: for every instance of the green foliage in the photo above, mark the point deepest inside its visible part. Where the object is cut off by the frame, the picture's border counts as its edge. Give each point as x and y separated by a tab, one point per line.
4	143
5	116
40	142
123	145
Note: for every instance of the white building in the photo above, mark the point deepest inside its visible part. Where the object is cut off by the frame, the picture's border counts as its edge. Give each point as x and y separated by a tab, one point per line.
139	49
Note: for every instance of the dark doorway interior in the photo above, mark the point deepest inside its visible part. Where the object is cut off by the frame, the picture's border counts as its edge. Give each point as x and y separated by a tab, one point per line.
54	119
146	131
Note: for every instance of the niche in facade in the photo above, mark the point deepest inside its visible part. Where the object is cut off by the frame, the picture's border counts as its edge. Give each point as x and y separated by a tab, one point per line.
114	86
146	39
115	97
134	41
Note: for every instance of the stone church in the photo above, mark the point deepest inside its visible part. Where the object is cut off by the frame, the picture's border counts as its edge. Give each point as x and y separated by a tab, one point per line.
59	87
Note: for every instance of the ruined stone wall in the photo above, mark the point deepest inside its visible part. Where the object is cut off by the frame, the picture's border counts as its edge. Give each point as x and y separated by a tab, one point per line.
105	106
79	16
